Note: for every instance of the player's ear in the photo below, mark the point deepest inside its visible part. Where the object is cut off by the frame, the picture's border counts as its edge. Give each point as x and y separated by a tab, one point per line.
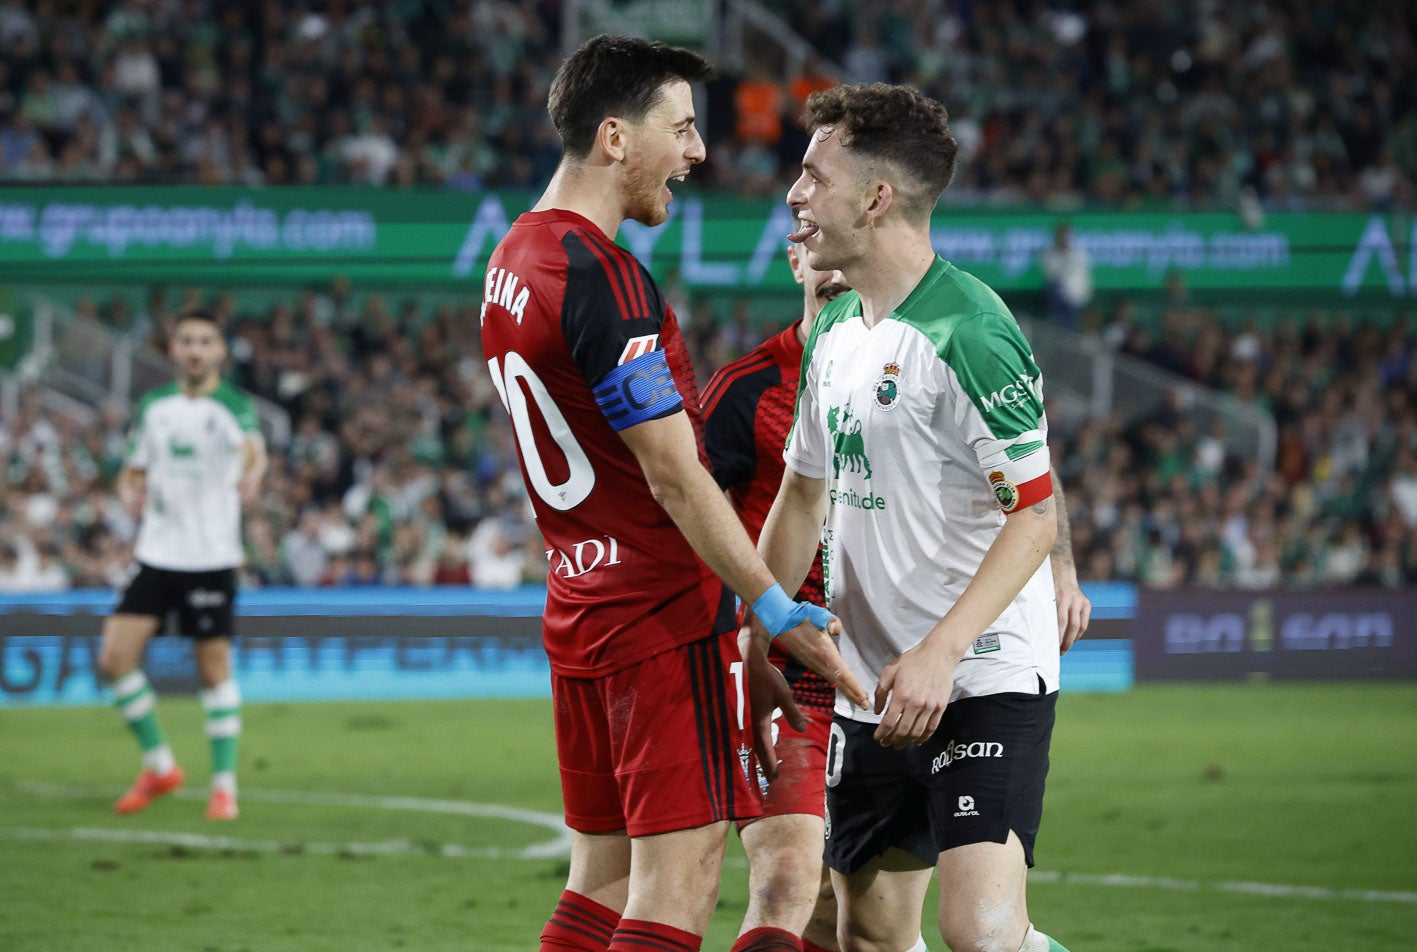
794	261
879	198
610	138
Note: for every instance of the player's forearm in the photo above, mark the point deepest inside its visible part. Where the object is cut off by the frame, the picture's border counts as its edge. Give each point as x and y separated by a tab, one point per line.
668	454
793	529
1061	556
1016	553
131	484
711	526
253	460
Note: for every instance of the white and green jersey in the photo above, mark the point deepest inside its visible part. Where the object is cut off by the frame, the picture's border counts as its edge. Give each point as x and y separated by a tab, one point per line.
927	428
190	450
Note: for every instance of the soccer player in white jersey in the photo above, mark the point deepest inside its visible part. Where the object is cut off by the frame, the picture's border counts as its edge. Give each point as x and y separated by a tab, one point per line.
919	456
195	456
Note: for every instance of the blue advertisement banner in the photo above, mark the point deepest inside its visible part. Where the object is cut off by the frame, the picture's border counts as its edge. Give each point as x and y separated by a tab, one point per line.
378	644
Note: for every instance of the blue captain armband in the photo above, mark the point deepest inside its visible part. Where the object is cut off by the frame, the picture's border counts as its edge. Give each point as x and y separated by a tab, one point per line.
638	390
778	613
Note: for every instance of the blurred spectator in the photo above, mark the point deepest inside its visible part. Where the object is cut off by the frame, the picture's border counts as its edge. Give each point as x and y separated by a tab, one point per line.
1067	272
814	78
758	101
305	558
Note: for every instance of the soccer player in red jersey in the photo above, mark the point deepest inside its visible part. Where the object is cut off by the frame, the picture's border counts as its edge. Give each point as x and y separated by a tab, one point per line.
645	553
748	406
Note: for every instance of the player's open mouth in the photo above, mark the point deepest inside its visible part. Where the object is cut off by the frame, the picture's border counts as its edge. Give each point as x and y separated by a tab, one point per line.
806	229
675	178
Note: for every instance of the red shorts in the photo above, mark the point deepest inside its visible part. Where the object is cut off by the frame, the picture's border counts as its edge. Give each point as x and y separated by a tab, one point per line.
658	746
801	784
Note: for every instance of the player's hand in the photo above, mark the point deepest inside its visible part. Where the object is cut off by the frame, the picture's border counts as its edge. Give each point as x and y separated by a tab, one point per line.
912	694
816	648
249	488
1074	612
768	691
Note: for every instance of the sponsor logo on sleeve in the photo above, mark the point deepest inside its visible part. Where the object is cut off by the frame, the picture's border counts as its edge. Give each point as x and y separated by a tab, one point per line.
638	347
1015	393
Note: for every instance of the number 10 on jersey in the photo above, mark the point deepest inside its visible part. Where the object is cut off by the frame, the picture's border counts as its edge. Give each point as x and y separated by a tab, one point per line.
581	477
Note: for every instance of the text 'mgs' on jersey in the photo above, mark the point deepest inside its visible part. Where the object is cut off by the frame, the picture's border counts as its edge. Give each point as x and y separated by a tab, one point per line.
581	344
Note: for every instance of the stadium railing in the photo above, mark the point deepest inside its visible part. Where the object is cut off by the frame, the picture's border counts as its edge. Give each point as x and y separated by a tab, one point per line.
1087	380
82	358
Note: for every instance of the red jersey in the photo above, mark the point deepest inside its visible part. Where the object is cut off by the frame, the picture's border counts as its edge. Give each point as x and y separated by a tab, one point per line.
748	409
564	311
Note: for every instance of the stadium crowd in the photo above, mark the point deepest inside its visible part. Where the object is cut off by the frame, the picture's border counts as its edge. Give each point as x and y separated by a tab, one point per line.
401	468
1053	103
1160	500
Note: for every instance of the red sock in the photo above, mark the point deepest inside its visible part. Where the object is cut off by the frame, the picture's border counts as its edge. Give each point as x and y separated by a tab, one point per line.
640	935
764	939
579	925
808	946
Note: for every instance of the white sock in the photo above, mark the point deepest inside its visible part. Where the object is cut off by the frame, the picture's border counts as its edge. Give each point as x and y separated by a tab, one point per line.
226	780
159	760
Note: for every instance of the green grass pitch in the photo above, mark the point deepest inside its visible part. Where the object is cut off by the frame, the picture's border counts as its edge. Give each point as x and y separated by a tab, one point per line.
1179	819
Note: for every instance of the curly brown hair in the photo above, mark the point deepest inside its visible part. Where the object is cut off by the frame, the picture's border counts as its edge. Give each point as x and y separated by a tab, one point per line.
894	125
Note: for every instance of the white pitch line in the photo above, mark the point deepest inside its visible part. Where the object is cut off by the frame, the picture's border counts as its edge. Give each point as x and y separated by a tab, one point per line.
559	848
197	841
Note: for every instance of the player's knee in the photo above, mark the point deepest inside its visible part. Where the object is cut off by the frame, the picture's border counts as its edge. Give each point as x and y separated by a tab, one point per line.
852	941
873	937
776	891
783	879
112	664
979	934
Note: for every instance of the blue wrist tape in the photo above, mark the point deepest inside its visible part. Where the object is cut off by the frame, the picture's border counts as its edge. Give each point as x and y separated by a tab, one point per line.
778	613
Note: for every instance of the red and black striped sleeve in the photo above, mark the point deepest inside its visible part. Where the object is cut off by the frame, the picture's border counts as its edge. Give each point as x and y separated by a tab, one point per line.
730	409
612	311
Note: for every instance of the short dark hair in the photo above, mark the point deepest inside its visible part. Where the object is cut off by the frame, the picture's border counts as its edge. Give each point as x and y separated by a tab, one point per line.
614	76
894	124
198	314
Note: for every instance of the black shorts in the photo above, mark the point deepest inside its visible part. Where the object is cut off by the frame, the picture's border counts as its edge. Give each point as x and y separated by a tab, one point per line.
203	601
978	777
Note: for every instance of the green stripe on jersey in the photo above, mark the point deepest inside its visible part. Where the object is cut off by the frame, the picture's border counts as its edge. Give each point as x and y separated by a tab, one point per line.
1020	450
239	404
977	337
